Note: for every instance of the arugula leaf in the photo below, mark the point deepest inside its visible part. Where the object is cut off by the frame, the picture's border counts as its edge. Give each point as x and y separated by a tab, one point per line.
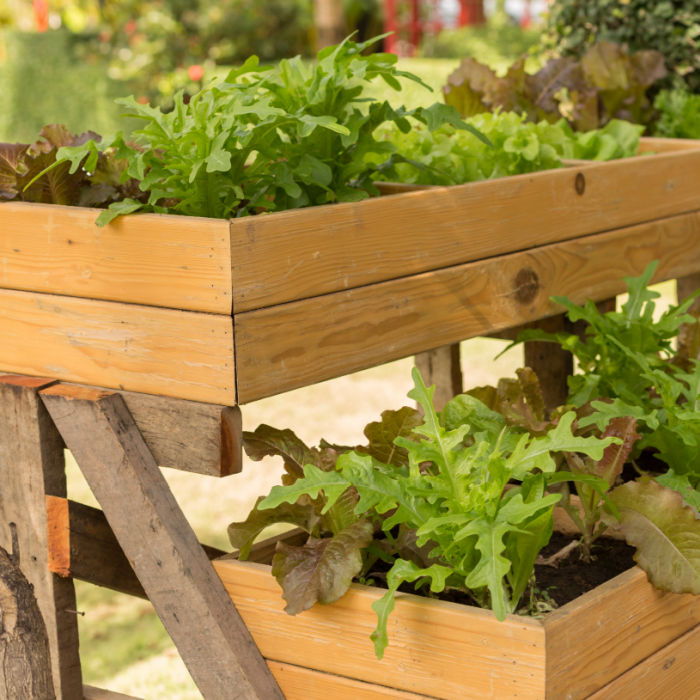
402	571
452	494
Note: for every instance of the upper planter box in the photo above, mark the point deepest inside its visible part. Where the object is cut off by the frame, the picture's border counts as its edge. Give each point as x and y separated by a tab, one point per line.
229	312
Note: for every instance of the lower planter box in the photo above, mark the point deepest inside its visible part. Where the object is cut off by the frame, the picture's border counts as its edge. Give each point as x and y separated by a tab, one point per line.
623	637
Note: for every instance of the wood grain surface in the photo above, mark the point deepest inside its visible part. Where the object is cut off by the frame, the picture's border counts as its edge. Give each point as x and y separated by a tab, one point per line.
160	545
298	683
82	545
124	346
314	251
179	262
672	672
609	630
307	341
426	637
191	436
32	465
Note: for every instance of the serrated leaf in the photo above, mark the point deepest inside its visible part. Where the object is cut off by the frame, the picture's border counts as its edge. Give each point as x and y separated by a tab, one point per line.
492	566
615	456
321	570
665	531
470	410
681	484
125	206
402	571
314	481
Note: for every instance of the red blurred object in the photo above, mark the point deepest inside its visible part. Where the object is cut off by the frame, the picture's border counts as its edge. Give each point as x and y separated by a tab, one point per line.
411	20
195	72
471	12
41	15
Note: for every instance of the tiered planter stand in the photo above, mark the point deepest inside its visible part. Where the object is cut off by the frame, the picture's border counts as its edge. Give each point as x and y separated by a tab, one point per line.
134	344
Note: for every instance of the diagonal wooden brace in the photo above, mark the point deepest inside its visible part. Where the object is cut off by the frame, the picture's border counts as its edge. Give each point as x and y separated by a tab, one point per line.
158	541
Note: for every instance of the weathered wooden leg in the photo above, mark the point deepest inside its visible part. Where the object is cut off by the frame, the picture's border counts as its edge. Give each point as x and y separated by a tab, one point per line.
31	465
689	336
158	541
442	368
551	364
24	646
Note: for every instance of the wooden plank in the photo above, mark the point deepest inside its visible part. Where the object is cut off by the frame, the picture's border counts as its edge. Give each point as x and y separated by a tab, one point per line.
496	659
298	683
651	144
138	348
173	261
31	465
81	545
441	367
92	693
314	251
672	672
628	619
308	341
160	544
197	437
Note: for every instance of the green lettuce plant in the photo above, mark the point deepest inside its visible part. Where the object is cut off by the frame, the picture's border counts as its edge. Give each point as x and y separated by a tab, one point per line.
35	173
679	114
451	156
464	499
267	138
447	486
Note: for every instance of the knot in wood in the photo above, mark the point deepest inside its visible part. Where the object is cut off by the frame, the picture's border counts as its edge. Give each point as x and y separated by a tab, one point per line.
526	285
580	183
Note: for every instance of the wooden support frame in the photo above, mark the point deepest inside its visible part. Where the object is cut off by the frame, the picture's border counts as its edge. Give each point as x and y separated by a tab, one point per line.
82	545
187	435
159	543
31	466
214	310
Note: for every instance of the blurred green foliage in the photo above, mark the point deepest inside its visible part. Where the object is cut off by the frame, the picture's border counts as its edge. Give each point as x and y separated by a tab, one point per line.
496	44
679	114
669	26
42	83
161	46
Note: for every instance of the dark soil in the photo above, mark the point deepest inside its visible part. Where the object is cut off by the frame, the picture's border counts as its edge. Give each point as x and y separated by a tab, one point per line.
558	585
573	577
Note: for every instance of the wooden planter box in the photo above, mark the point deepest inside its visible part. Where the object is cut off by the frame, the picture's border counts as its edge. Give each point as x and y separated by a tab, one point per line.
229	312
622	640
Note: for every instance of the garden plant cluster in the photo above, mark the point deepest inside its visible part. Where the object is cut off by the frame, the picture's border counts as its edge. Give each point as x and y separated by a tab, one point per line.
463	499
